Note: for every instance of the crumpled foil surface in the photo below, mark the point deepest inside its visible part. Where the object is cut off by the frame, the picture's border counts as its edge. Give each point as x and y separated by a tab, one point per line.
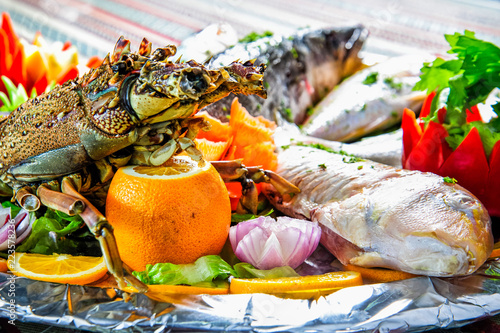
412	305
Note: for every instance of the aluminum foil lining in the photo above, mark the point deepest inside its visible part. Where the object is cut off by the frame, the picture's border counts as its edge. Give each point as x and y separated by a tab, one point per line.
412	305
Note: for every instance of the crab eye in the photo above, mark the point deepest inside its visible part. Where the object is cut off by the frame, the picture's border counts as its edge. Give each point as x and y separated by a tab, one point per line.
193	83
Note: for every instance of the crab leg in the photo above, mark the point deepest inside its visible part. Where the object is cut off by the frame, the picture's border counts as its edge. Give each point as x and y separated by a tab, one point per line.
103	231
60	201
248	176
27	199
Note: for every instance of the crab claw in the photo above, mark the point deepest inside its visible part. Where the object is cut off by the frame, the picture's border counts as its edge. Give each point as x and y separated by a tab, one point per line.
248	176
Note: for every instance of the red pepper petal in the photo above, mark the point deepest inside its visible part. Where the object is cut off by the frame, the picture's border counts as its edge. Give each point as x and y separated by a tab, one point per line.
468	164
427	155
473	114
426	106
411	133
5	56
492	195
70	74
40	85
17	71
9	31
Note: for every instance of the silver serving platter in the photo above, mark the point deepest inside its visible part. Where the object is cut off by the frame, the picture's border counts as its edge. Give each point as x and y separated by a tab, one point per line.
412	305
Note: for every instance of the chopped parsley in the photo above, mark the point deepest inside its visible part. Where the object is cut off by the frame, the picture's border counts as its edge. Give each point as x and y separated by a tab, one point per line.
352	158
371	78
322	166
253	36
390	82
449	180
294	53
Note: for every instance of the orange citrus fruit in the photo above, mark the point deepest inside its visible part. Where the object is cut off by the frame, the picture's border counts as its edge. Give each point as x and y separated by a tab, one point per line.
297	287
376	275
60	268
173	213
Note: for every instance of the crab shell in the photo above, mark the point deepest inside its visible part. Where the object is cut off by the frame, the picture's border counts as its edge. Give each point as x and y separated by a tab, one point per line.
110	108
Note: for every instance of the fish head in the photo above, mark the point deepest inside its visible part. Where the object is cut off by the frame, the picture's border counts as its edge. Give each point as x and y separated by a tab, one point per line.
441	229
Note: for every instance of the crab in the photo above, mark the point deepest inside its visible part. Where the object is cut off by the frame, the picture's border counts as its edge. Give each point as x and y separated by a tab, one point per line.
61	149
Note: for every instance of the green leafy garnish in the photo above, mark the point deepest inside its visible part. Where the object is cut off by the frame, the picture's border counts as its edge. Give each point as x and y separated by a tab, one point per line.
15	95
237	218
463	82
371	78
206	270
253	36
56	232
246	270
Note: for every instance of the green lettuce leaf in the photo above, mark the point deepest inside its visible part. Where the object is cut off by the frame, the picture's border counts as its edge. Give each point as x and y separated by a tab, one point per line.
205	270
246	270
56	232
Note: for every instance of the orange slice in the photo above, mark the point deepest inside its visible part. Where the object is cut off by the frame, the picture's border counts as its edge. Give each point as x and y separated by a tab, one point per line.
60	268
379	275
167	289
219	131
212	151
3	265
297	287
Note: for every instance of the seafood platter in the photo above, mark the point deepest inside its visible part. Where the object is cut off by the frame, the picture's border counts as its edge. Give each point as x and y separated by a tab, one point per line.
365	196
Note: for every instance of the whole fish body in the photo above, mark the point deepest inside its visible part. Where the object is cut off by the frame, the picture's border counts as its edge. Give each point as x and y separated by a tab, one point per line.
372	99
301	69
374	215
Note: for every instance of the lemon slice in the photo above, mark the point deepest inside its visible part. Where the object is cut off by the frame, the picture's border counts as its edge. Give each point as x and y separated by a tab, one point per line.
60	268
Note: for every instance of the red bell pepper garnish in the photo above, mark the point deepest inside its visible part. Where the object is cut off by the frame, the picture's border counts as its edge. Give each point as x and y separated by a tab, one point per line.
5	56
411	133
431	144
8	28
426	106
492	195
468	164
473	114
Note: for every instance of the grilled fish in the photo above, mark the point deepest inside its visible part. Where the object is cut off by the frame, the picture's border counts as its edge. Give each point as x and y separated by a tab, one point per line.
301	69
374	215
370	100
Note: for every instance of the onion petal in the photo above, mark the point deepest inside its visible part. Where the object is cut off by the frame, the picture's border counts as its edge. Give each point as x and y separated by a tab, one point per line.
19	228
266	243
4	215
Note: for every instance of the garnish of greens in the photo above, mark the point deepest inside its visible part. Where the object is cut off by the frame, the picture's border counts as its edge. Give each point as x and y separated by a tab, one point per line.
207	271
15	95
253	36
461	83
